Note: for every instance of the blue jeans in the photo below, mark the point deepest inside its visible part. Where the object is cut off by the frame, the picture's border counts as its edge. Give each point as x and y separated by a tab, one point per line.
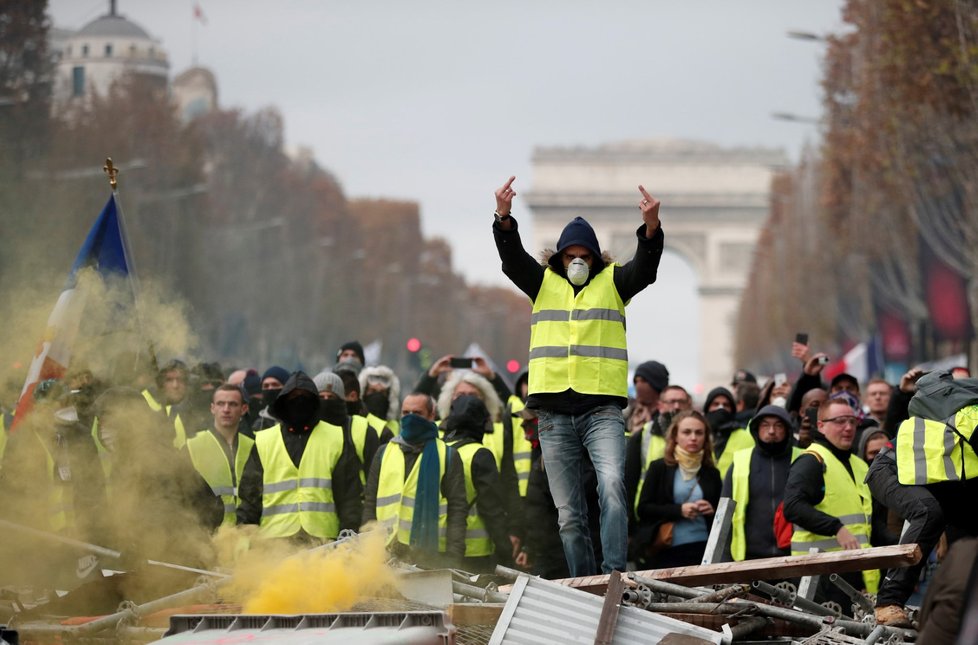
563	440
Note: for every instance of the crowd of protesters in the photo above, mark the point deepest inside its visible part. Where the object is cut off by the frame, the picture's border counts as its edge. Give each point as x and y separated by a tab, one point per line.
567	473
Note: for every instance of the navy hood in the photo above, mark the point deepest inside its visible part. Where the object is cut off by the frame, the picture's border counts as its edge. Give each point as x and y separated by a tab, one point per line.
719	391
577	232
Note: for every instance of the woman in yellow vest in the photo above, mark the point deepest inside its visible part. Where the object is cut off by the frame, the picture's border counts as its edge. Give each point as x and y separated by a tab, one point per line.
827	499
486	534
416	490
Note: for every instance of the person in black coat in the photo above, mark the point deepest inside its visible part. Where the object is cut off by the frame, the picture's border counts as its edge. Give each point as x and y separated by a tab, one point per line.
683	488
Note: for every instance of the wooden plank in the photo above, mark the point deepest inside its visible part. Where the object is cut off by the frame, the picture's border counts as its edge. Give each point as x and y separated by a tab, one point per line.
463	614
881	557
609	611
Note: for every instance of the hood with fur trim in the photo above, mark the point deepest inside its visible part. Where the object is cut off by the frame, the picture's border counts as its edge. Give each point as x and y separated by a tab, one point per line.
386	377
489	396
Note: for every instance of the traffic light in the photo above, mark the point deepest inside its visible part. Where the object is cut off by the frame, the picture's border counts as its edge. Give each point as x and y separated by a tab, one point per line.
512	366
420	355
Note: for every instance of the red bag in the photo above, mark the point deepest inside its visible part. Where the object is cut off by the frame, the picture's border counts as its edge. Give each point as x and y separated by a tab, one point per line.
783	529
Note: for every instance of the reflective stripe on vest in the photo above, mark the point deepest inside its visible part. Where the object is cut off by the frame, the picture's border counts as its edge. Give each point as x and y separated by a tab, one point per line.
395	495
740	479
210	460
299	498
933	451
849	501
477	542
739	439
578	342
654	447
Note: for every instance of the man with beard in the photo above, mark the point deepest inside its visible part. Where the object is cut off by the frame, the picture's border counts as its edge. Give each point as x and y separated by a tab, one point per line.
301	482
756	482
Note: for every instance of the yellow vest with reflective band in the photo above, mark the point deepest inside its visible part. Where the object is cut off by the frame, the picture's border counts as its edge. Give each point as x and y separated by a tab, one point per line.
741	494
516	405
60	511
931	451
477	542
299	498
739	439
379	424
578	342
3	437
395	495
180	437
358	433
849	501
655	448
522	451
210	460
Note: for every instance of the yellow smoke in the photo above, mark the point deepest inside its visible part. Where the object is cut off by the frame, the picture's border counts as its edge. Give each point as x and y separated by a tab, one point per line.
273	578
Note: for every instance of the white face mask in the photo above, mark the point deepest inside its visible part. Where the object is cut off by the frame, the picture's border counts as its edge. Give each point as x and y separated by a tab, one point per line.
780	401
577	272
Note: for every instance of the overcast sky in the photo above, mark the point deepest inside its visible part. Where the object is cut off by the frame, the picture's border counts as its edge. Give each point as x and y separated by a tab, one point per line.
440	101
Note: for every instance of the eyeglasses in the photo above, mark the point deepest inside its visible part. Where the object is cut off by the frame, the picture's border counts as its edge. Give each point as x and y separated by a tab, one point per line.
844	420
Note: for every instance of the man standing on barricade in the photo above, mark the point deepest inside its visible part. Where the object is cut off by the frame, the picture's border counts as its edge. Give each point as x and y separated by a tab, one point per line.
579	367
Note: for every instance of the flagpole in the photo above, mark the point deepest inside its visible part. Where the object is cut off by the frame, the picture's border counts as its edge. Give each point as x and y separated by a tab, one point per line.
112	172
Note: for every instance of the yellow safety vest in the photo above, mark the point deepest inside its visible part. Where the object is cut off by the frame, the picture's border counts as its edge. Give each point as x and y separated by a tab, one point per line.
656	449
210	460
522	451
741	494
60	511
739	439
180	437
848	500
395	496
578	342
932	451
358	433
3	437
379	424
299	498
477	542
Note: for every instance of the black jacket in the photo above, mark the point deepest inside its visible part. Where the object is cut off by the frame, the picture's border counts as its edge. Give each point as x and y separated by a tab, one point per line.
347	489
634	460
656	504
806	488
452	488
768	475
527	274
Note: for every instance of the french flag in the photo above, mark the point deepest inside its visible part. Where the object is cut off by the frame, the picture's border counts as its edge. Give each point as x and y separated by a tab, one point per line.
106	251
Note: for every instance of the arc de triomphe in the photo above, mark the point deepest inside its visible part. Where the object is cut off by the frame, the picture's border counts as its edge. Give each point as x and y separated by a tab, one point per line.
714	203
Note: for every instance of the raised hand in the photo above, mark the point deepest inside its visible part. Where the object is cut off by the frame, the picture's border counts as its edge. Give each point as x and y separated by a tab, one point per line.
650	211
504	197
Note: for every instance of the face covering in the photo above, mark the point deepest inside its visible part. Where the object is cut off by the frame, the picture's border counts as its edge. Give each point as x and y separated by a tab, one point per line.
353	407
377	404
300	412
577	272
719	418
333	411
268	396
780	401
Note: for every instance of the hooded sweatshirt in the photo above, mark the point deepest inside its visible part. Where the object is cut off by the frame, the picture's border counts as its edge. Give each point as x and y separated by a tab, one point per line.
466	424
527	274
300	418
769	466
